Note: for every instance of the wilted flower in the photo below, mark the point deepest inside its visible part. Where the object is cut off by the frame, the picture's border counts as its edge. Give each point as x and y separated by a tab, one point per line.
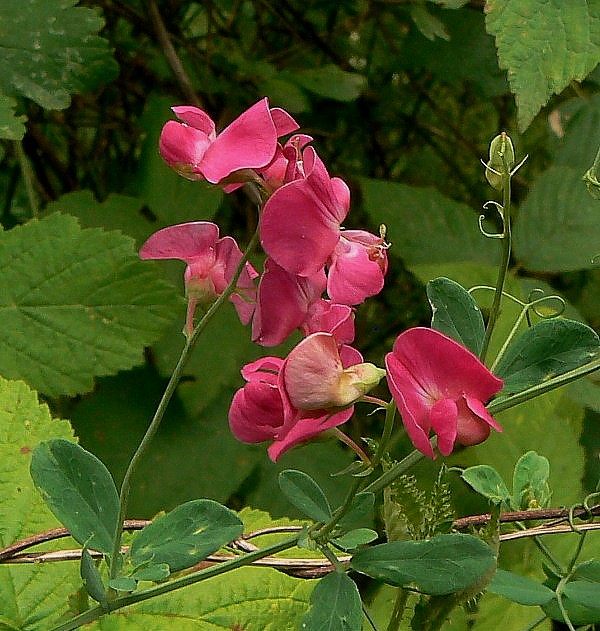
440	386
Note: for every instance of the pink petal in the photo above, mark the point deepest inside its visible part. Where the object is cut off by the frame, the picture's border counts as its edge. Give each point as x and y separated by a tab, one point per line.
311	373
283	300
284	123
256	413
263	369
195	117
353	276
331	318
444	422
307	426
185	241
182	146
479	409
416	416
249	142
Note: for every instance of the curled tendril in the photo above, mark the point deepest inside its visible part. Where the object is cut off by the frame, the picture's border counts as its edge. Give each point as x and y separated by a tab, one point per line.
534	304
500	210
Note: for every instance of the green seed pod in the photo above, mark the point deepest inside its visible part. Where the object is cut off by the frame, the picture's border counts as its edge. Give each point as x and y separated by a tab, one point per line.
501	147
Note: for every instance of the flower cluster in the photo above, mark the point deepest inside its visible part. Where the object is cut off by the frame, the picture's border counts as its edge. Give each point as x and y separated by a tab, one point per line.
315	274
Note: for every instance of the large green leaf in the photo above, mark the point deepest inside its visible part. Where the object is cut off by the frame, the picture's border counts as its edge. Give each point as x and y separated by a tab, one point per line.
75	304
455	313
424	226
519	589
186	535
50	49
335	605
443	565
558	229
547	349
544	45
32	596
79	491
12	127
330	81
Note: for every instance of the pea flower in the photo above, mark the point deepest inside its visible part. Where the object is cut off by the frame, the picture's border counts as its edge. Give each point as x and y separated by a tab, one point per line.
196	152
211	264
440	386
290	401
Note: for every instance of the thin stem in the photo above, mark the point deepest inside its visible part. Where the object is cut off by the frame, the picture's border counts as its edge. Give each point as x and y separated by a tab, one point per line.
390	413
164	402
28	178
344	438
503	269
543	548
398	611
157	590
510	336
395	472
541	388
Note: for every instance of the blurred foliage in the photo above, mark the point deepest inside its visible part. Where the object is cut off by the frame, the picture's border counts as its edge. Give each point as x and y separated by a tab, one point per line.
402	98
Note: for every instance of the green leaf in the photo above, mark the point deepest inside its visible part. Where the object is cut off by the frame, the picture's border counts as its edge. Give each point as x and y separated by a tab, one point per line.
153	572
578	614
123	584
530	482
305	494
79	490
92	580
360	511
443	565
186	535
544	45
557	229
547	349
51	50
585	593
11	127
335	605
429	25
331	82
75	304
455	313
32	596
409	213
487	482
355	538
519	589
589	570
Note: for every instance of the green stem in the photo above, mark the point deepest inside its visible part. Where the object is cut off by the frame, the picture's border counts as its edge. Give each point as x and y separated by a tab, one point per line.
164	402
157	590
503	269
510	401
27	173
390	413
395	472
398	611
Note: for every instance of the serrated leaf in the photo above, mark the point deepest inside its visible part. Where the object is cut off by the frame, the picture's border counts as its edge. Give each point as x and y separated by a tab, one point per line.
32	596
186	535
410	212
558	229
544	45
51	50
519	589
92	580
335	605
547	349
74	304
79	490
443	565
486	481
305	494
331	82
12	127
530	482
455	313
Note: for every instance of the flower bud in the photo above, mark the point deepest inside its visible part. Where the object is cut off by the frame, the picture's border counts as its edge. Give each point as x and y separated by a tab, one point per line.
502	160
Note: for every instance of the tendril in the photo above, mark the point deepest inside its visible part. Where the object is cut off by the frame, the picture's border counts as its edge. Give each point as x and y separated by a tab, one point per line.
500	210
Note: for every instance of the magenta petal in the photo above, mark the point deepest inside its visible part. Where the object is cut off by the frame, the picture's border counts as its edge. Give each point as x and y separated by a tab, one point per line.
479	409
249	142
195	117
444	422
182	145
415	417
256	413
331	318
263	369
185	241
307	426
284	123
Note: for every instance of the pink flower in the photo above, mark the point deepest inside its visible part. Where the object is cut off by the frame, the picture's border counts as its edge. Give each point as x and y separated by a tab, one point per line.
194	149
288	163
282	303
300	223
301	230
211	264
290	401
439	385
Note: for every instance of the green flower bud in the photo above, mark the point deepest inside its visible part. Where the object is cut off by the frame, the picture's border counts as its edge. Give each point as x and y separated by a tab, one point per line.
502	153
